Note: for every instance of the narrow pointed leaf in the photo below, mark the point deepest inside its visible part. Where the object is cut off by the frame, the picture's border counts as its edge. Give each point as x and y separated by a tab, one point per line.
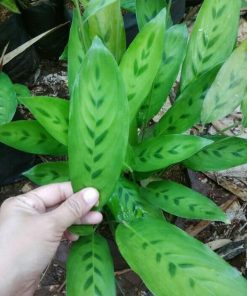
221	155
48	173
211	43
51	113
90	268
29	136
10	4
229	87
181	201
21	90
94	6
8	101
141	61
160	152
170	261
96	151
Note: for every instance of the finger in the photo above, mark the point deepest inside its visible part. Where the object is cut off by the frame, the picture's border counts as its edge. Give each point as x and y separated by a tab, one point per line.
74	208
92	218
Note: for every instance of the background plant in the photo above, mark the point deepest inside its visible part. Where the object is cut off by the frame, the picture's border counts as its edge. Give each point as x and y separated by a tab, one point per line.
107	134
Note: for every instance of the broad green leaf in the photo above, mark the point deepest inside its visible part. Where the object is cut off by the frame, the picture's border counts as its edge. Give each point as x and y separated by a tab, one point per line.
229	87
171	263
129	5
81	230
160	152
52	114
244	111
10	4
75	51
126	203
107	23
173	55
90	268
211	41
181	201
48	173
147	10
29	136
98	115
141	62
221	155
21	90
8	101
186	110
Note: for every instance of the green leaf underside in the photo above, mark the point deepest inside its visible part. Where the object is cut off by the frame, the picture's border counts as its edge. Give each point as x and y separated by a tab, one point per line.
185	112
90	268
229	87
8	101
129	5
181	201
205	48
170	261
10	4
126	204
173	55
29	136
52	114
96	151
48	173
21	90
160	152
221	155
141	61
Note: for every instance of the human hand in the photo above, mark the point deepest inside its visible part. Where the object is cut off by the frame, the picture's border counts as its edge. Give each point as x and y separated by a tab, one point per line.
31	227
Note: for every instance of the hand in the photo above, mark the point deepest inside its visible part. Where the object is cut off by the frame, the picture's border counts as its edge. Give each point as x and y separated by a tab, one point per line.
31	227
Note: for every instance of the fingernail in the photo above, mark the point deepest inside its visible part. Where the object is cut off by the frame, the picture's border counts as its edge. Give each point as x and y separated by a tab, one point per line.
90	196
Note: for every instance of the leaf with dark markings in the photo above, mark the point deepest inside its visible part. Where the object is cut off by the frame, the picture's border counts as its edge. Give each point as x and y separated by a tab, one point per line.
96	152
29	136
89	268
221	155
229	87
48	173
141	61
8	101
181	201
160	152
170	261
52	114
211	42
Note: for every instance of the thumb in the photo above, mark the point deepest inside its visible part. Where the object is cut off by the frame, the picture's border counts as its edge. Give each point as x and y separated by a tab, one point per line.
74	208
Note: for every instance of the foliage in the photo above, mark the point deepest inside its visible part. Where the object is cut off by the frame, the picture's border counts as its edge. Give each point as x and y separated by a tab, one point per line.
107	133
10	4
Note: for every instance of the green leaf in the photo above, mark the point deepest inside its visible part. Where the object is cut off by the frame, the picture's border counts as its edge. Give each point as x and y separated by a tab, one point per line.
48	173
186	110
8	101
147	10
141	62
29	136
244	111
10	4
221	155
229	87
173	55
90	268
81	230
244	4
181	201
211	42
21	90
51	113
126	203
170	262
129	5
96	153
160	152
94	6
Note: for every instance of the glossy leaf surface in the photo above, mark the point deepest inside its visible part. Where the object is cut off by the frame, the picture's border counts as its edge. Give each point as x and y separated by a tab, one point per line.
29	136
181	201
8	101
221	155
48	173
141	61
96	151
160	152
211	42
229	87
52	114
90	268
170	261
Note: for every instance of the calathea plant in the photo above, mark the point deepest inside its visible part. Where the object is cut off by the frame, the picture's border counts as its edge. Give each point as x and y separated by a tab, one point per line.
108	140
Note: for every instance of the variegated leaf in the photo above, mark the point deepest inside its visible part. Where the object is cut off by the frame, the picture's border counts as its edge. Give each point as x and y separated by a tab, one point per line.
170	262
